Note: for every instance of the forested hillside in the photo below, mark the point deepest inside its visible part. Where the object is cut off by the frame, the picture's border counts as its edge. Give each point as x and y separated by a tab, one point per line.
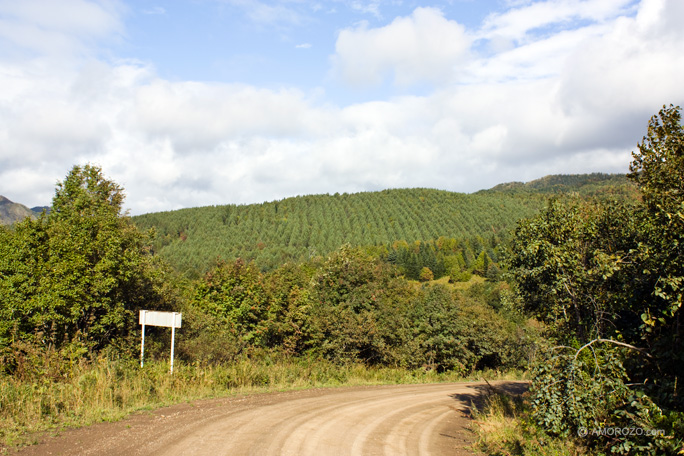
296	228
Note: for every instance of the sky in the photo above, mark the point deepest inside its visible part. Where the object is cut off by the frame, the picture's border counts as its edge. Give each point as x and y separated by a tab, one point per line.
189	103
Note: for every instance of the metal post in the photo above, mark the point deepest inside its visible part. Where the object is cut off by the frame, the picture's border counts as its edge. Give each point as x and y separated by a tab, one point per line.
173	337
142	344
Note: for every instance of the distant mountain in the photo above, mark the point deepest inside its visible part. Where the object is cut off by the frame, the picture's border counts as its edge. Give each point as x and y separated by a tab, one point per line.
590	185
295	228
11	212
39	210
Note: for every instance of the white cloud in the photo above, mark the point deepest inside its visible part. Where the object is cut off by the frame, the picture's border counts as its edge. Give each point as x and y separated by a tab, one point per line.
199	116
372	8
422	47
520	21
627	73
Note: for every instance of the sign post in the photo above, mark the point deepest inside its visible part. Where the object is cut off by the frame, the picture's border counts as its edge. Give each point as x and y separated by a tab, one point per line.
173	338
171	320
142	343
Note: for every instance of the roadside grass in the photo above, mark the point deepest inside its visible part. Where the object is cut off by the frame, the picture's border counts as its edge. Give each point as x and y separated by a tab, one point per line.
109	390
504	429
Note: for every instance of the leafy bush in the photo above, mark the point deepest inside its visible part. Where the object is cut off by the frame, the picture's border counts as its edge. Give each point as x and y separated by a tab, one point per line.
234	294
570	392
583	393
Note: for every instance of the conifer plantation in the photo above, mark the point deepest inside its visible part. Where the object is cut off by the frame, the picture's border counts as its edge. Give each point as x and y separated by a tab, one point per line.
298	228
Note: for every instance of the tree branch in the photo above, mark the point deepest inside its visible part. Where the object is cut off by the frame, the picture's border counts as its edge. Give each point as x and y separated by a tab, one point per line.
615	342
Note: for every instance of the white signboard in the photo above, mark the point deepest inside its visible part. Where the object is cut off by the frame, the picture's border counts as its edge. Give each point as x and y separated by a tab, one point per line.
154	318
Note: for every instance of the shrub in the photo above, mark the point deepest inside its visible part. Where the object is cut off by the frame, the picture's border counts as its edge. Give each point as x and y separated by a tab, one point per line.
583	393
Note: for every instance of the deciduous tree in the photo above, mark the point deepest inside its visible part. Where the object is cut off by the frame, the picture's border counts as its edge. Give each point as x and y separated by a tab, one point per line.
79	274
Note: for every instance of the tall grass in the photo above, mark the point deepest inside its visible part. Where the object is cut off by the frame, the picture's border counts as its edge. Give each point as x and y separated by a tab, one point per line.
503	427
107	390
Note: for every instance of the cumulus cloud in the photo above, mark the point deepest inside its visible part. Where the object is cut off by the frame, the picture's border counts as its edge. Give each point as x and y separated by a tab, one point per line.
629	66
574	100
422	47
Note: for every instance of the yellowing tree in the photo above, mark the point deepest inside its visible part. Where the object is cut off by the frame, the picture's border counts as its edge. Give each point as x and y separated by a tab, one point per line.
426	274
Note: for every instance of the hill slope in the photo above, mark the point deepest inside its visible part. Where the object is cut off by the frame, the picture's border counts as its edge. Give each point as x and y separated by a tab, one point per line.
295	228
13	212
587	185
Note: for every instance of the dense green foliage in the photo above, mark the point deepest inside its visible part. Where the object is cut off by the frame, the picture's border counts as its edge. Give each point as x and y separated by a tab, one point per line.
607	278
571	263
352	307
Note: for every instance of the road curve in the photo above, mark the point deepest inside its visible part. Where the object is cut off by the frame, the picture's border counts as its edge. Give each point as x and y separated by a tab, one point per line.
359	421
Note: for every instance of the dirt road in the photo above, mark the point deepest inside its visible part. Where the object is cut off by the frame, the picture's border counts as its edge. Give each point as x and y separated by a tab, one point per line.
380	420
